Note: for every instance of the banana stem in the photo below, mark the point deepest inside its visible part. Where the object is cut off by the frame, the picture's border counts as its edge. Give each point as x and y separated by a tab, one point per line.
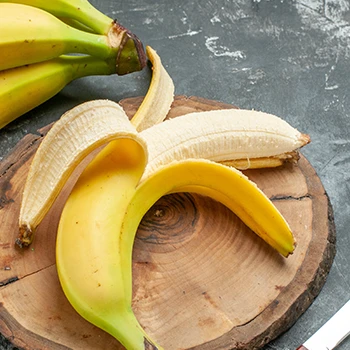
91	43
93	18
79	10
83	66
120	44
76	24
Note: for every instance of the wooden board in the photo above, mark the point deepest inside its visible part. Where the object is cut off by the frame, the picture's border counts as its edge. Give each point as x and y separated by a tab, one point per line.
202	279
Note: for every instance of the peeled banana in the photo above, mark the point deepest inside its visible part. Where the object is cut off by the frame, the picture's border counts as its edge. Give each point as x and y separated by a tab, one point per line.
144	159
101	216
224	135
74	11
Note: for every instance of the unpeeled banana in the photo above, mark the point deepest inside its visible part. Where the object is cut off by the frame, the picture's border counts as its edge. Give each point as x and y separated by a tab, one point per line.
140	163
73	11
26	87
30	35
41	54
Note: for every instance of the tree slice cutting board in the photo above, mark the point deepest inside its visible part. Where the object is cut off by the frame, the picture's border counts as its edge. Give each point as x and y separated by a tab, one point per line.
201	278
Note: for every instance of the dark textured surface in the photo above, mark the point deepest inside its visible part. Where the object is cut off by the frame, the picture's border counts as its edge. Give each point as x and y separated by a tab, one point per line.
290	58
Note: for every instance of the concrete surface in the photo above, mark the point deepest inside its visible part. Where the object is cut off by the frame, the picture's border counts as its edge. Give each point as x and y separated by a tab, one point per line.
289	58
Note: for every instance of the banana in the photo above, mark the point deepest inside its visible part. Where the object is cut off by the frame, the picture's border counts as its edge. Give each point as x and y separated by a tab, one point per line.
224	184
223	135
236	136
79	11
26	87
141	162
31	35
74	135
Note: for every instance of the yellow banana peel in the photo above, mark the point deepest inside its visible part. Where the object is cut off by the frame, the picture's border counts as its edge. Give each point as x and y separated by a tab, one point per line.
101	216
77	133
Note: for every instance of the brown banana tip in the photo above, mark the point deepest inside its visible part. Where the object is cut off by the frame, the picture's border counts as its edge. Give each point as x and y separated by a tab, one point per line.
25	237
148	345
295	245
305	139
131	55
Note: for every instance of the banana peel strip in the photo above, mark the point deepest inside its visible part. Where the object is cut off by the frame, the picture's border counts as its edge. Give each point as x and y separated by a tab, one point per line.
160	95
222	183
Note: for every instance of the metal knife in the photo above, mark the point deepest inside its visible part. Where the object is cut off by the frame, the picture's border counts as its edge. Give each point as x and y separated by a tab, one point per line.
332	333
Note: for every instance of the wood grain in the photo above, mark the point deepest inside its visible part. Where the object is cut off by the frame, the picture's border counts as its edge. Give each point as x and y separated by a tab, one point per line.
201	278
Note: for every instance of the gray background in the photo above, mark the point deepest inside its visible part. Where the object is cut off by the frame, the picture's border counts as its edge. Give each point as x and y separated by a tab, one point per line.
289	58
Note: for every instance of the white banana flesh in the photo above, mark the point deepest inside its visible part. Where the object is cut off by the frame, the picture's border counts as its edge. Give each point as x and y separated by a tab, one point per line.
223	135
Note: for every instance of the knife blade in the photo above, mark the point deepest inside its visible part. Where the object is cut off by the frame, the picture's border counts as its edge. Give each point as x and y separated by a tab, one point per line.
332	333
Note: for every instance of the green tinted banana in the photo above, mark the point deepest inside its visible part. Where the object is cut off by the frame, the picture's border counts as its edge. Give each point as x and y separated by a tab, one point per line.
80	11
23	88
30	35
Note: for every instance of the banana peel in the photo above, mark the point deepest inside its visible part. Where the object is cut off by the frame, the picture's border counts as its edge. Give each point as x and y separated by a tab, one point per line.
91	125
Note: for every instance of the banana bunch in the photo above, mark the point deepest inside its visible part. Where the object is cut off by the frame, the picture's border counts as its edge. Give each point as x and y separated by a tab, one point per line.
45	45
143	159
